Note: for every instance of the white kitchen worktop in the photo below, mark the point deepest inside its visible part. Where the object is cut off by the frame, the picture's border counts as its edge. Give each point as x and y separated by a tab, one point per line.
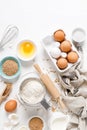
35	20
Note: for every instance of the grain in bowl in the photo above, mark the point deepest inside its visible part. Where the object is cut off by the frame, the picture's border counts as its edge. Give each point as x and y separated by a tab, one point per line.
36	123
10	68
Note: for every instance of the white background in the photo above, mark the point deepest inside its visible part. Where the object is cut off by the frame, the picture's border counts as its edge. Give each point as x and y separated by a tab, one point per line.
39	18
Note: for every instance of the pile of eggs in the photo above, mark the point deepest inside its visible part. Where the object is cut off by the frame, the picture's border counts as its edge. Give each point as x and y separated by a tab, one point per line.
63	51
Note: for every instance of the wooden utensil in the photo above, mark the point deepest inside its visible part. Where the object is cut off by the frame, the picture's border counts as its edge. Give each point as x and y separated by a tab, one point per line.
6	92
50	86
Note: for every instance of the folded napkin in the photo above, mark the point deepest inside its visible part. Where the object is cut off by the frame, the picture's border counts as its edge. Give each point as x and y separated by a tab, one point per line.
77	123
77	107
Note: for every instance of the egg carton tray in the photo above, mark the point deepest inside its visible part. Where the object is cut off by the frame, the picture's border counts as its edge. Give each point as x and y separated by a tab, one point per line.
48	43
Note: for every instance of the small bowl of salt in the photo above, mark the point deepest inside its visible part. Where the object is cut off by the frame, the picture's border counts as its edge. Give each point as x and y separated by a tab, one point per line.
78	37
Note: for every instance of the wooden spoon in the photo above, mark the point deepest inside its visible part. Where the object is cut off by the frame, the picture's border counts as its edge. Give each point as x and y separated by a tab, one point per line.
6	92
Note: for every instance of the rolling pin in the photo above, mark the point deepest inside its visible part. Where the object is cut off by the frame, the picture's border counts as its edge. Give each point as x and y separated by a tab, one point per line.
50	86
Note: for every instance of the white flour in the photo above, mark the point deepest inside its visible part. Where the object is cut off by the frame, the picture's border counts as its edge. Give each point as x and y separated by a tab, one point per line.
33	92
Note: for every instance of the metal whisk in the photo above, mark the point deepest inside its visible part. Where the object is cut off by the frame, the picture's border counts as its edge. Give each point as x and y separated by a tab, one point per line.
9	34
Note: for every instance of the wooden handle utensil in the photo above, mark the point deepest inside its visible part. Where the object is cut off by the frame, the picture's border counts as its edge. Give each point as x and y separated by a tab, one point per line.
6	92
50	86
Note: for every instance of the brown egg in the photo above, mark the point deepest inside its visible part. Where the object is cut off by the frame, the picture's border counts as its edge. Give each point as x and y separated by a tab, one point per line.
10	105
65	46
72	57
59	35
62	63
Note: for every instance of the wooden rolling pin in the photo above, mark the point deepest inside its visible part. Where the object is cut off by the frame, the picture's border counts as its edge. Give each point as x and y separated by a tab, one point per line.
50	86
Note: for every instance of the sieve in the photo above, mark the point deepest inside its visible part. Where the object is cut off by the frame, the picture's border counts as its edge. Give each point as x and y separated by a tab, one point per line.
26	78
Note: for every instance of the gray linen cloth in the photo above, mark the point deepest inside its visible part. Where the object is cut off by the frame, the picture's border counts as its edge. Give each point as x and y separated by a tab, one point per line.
74	84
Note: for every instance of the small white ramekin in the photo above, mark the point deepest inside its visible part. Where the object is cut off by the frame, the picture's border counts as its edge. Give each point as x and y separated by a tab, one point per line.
77	39
26	59
58	116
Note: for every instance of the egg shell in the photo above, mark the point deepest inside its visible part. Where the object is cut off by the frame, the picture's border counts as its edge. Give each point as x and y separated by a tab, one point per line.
63	54
55	52
13	119
59	35
11	105
23	128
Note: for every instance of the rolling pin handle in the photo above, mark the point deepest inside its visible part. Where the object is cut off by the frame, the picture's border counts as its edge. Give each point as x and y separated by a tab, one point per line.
62	104
38	68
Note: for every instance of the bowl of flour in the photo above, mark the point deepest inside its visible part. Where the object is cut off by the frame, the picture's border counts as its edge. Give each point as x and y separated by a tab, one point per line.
31	91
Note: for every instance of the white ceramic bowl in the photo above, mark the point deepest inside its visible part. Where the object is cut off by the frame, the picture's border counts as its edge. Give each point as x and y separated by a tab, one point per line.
78	36
23	58
58	121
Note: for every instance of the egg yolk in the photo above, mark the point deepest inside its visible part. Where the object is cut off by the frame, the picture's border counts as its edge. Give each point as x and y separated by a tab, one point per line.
26	49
